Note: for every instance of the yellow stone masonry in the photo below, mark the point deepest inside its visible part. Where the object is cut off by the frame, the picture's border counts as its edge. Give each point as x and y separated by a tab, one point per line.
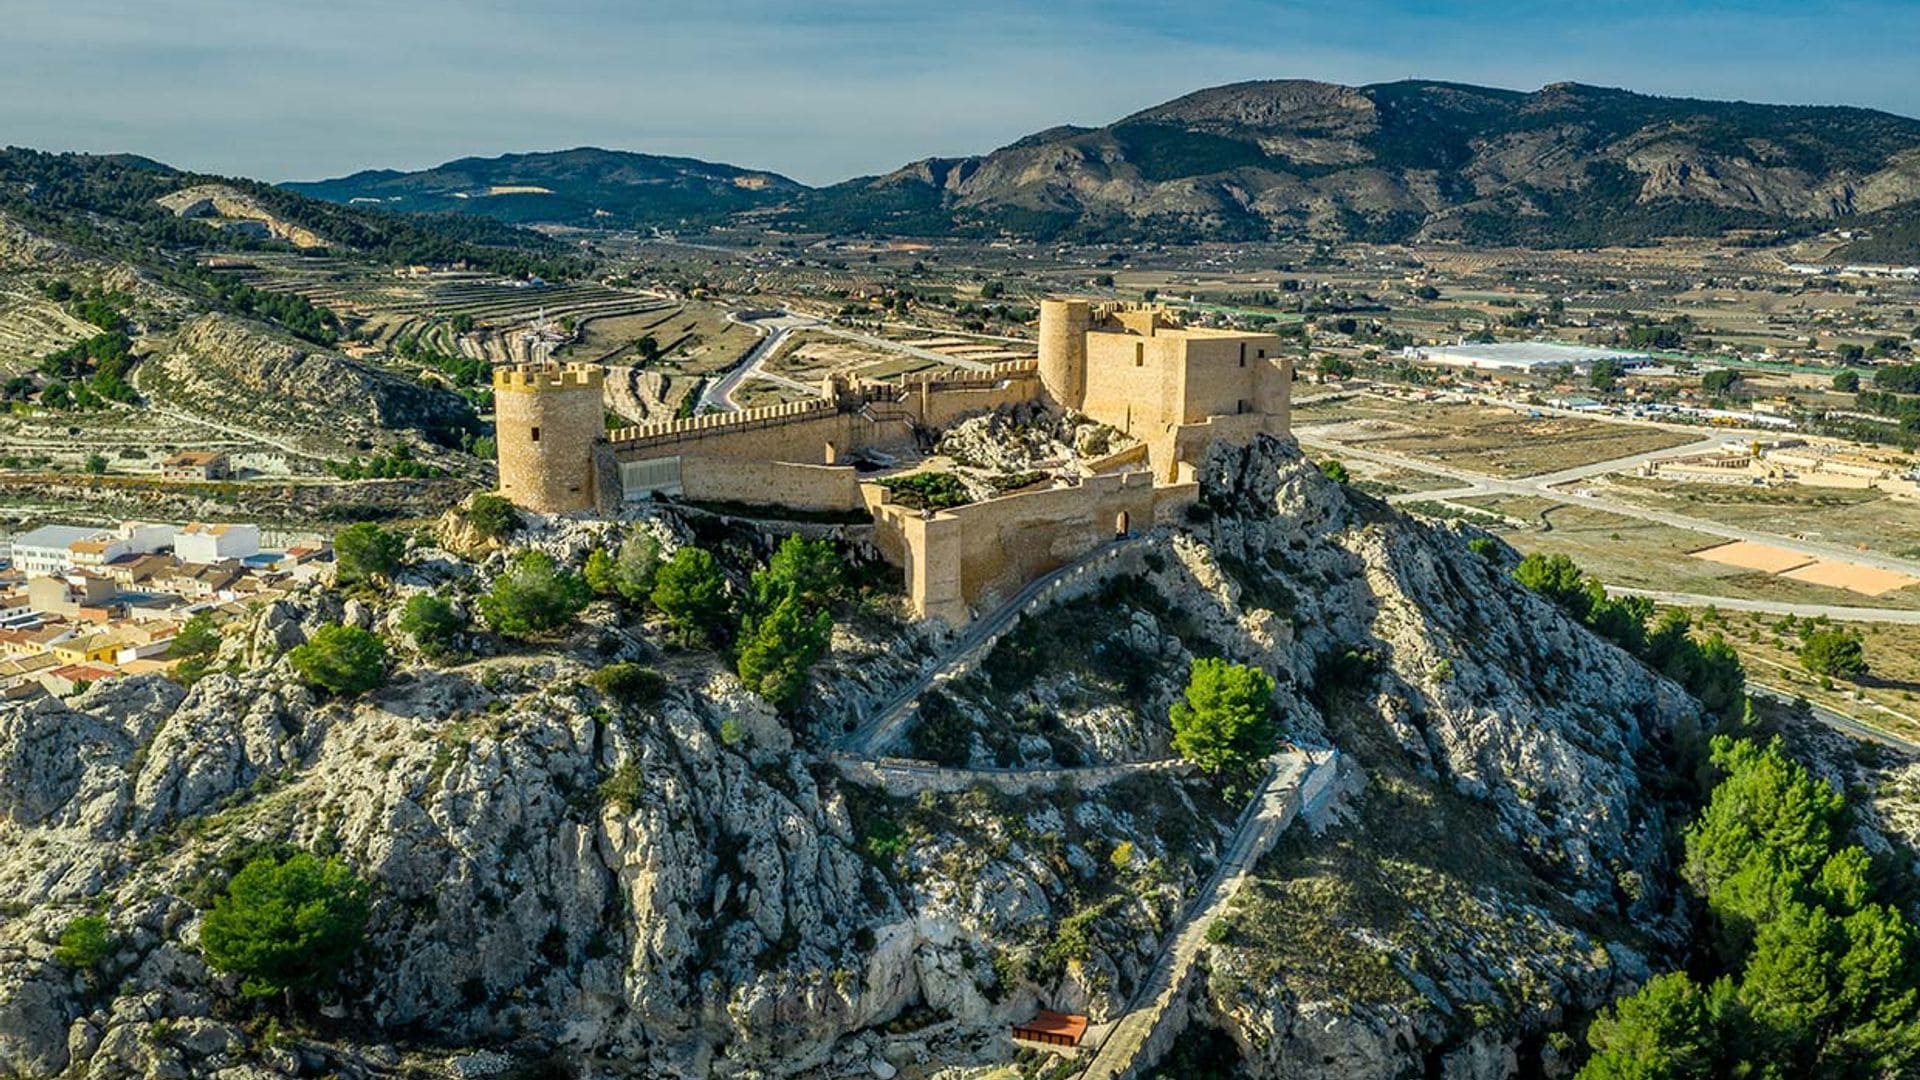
1174	389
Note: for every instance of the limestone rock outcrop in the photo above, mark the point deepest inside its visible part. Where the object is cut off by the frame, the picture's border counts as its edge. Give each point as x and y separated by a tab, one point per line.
689	887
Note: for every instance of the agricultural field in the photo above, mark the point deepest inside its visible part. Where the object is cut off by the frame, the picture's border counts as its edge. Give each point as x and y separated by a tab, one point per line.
1887	697
1868	520
695	339
613	338
1631	553
755	393
1484	439
810	356
452	312
1383	480
31	327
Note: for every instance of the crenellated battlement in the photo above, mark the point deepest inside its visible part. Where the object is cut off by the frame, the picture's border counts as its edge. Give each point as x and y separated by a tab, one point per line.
531	377
1000	372
716	423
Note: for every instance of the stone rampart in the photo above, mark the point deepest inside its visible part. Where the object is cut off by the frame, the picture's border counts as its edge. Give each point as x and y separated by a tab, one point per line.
770	483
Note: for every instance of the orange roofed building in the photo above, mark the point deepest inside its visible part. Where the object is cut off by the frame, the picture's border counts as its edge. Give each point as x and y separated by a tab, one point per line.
1052	1029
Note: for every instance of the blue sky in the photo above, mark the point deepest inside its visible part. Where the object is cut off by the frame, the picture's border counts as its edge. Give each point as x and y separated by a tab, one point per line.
827	89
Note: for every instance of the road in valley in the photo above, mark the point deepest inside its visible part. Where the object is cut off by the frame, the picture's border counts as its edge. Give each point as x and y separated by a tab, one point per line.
1541	487
1774	607
776	329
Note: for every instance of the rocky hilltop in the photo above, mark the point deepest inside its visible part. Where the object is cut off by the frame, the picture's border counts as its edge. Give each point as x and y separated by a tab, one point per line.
689	884
223	366
586	186
1424	160
225	207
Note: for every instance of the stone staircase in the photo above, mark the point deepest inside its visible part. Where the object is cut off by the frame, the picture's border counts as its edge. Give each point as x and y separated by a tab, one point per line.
1159	1009
974	642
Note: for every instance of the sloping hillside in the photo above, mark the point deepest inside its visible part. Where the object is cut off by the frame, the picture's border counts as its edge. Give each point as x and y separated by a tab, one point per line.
1568	164
683	883
586	186
1565	165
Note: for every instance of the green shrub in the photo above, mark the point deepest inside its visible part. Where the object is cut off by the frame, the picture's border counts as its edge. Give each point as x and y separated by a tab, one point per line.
630	684
928	490
811	571
432	623
341	660
623	787
366	551
692	593
84	944
195	647
534	596
781	648
941	733
1226	722
1834	653
286	925
629	571
492	516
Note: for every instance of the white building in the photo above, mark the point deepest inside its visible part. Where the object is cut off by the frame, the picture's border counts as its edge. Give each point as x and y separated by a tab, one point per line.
1526	356
145	537
203	543
48	550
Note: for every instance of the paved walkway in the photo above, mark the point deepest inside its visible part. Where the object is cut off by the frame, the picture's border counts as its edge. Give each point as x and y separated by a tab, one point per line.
879	730
902	777
1294	780
1838	721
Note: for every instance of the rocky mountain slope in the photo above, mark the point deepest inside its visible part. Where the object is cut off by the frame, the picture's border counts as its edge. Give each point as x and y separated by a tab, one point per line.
227	367
1565	165
689	887
92	245
1568	164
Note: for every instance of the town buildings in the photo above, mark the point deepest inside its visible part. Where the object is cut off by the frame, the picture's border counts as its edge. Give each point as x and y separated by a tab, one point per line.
79	604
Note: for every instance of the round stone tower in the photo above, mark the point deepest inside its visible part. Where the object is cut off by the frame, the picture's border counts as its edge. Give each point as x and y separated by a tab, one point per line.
1063	350
547	419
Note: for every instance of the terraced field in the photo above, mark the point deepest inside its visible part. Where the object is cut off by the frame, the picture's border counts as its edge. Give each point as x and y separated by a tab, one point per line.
497	315
31	327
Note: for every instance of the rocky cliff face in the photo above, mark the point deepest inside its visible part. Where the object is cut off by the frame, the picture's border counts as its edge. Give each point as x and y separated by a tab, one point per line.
244	373
689	887
226	207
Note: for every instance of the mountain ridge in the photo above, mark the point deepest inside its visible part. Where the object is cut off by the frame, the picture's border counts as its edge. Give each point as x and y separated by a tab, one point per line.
1569	164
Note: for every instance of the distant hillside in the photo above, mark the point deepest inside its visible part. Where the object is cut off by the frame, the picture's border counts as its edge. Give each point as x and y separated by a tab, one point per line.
147	213
105	302
1567	165
586	187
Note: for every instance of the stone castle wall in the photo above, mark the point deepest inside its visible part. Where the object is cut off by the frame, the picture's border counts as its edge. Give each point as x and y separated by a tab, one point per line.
975	557
823	488
1128	365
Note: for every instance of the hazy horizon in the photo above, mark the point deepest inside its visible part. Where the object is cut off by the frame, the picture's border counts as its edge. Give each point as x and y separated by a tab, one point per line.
282	91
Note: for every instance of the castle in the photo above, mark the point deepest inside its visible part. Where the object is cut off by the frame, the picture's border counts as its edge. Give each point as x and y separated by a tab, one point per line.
1173	390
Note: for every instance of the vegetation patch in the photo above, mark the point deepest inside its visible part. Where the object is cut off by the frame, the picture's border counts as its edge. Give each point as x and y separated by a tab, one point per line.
928	490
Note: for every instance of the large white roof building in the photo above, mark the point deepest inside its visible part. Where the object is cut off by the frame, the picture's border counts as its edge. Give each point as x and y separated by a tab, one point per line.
1526	356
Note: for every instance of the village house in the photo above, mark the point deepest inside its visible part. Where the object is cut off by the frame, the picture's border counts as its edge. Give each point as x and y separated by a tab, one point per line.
195	465
203	543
